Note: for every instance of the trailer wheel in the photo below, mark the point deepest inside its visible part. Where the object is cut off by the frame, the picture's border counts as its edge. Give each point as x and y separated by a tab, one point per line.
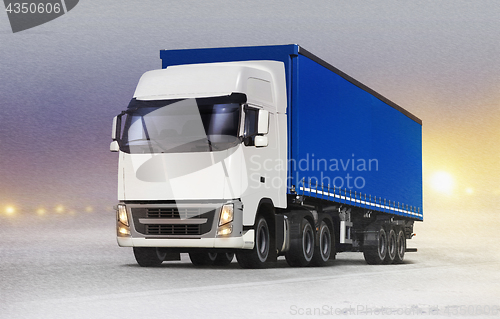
257	256
400	246
149	256
323	250
391	246
223	259
203	258
302	250
375	254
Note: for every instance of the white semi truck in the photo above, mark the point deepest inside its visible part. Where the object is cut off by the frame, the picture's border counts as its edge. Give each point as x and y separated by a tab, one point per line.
262	152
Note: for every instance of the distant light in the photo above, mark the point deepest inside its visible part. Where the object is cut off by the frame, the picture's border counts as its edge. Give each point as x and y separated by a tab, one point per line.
59	209
10	210
89	209
469	191
442	182
41	211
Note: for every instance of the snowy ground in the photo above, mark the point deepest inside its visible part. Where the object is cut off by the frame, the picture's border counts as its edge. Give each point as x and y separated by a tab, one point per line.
68	267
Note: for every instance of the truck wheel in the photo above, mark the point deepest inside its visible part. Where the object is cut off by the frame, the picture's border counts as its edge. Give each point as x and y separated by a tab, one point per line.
149	256
324	248
203	258
223	259
375	254
302	250
391	246
257	256
400	246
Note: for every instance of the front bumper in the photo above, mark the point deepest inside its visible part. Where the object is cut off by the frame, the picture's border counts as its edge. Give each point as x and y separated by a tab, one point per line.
182	225
246	241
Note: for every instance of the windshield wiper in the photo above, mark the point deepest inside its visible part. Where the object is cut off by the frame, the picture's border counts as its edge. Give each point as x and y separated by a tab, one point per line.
146	133
211	146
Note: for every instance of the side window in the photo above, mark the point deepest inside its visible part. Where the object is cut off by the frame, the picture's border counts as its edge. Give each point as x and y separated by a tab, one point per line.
251	116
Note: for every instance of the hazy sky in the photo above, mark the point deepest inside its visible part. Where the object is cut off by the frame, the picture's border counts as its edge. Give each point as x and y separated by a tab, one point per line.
61	83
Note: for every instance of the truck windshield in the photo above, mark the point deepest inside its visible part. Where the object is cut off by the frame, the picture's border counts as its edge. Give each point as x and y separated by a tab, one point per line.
179	126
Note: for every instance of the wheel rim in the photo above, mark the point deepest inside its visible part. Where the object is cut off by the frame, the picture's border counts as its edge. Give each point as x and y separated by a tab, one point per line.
229	256
401	245
161	255
212	256
262	241
308	242
325	242
382	247
391	243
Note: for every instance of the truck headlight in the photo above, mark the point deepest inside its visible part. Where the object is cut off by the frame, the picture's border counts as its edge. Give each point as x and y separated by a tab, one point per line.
226	214
123	231
122	215
225	230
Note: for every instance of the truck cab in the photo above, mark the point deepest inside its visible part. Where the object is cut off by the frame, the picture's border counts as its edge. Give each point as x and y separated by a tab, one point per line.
199	151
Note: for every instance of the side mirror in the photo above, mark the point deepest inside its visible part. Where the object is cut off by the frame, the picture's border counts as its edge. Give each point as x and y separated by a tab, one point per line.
263	122
114	146
115	122
115	133
261	141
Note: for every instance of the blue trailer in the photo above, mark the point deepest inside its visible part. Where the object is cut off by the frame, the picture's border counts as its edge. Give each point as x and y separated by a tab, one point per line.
325	164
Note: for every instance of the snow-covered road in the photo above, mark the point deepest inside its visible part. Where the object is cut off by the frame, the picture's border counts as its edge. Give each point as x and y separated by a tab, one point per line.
68	267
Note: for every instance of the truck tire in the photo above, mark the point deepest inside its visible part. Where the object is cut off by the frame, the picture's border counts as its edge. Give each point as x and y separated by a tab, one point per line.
257	256
400	246
223	259
302	249
391	245
323	250
203	258
149	256
375	254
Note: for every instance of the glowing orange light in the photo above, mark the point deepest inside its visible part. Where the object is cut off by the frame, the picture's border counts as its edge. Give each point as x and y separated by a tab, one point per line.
442	182
60	209
10	210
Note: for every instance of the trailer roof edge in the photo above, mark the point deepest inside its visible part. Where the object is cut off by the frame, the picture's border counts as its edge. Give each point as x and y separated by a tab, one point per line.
379	96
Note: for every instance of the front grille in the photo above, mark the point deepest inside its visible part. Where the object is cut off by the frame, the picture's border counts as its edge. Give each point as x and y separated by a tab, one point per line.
172	212
163	213
173	230
149	225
